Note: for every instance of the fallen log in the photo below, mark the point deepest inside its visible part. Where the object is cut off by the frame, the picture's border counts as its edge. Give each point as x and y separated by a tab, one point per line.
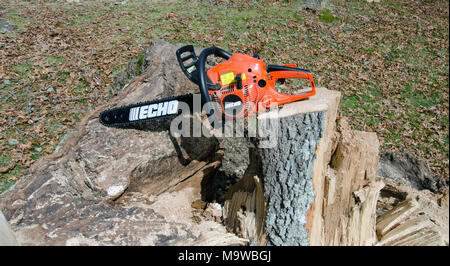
110	186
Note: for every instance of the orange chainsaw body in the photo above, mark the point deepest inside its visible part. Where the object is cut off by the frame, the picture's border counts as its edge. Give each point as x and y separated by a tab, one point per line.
256	91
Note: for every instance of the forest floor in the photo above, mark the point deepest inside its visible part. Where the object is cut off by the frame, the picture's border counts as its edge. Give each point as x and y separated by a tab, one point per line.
60	59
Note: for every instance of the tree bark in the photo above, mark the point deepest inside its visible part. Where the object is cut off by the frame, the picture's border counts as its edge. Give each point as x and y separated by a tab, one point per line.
287	175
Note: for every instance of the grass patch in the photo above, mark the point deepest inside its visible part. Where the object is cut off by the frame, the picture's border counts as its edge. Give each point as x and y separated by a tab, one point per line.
55	59
15	19
53	126
349	103
22	69
420	98
5	183
62	76
327	17
371	121
4	160
139	64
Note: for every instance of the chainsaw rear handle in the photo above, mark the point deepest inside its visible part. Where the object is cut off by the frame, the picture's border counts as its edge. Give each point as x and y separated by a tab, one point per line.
289	71
279	73
202	68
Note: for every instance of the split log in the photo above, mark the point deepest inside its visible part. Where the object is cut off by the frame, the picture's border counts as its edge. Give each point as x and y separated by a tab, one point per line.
400	203
401	226
359	229
245	210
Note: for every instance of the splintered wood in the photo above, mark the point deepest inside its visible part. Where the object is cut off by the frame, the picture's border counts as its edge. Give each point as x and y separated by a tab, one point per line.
419	231
399	227
345	213
244	209
361	228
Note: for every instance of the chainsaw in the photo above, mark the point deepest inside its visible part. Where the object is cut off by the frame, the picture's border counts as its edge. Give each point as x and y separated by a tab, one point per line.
241	86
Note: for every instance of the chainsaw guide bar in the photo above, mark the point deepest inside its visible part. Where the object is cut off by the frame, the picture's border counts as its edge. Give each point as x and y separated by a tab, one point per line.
138	113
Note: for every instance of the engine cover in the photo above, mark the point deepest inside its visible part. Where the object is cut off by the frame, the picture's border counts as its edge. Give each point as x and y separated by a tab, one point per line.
239	98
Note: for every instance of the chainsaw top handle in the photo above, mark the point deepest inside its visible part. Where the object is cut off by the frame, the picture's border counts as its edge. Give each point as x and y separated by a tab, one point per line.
202	68
195	69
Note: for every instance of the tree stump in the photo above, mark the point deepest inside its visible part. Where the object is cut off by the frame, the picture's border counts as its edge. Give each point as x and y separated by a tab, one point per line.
317	186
